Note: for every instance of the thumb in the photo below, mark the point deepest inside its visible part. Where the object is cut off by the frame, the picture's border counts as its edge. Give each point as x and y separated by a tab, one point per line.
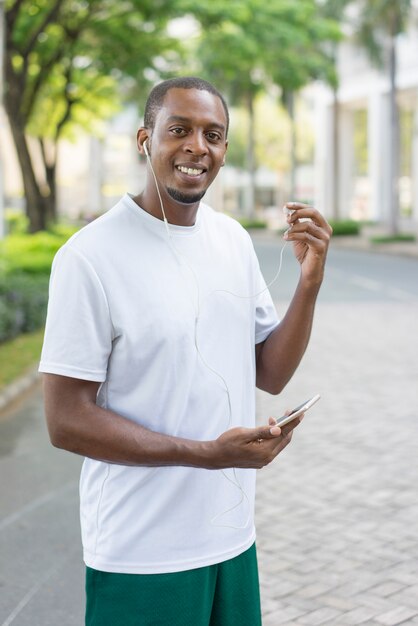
268	433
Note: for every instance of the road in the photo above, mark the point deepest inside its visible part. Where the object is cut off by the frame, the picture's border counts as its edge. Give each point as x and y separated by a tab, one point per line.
336	513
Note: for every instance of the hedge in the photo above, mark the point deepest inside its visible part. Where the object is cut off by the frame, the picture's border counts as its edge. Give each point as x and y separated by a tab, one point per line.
23	302
25	264
342	228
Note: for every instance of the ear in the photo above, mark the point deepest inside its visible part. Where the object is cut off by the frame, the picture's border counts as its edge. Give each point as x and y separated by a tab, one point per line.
142	136
226	148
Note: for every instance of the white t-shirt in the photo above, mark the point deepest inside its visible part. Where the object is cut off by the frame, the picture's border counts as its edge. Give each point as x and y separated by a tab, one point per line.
150	317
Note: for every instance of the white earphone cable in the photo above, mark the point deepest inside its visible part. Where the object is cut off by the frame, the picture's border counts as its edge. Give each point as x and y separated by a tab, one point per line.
181	256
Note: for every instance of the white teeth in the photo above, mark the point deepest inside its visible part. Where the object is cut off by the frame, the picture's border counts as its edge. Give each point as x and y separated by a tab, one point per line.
190	171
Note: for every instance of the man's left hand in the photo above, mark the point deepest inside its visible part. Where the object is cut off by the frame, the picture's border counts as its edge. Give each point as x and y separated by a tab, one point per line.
310	239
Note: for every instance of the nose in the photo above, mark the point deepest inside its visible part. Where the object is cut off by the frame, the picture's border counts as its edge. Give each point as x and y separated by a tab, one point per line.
196	143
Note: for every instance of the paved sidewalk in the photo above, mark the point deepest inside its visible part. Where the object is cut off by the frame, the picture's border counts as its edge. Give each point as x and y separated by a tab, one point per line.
337	512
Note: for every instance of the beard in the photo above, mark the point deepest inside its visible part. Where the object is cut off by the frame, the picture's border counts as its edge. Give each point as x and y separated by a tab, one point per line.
184	198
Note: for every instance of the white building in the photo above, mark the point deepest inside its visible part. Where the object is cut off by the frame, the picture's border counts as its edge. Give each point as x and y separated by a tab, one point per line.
363	137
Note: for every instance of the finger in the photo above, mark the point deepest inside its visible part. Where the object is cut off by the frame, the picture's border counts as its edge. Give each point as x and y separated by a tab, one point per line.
293	206
308	233
309	212
267	433
290	426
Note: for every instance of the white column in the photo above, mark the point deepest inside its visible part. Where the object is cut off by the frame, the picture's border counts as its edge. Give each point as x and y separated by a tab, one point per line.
378	150
323	157
415	166
346	161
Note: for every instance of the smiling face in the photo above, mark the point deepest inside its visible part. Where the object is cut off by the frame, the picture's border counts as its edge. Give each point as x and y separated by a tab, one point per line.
187	148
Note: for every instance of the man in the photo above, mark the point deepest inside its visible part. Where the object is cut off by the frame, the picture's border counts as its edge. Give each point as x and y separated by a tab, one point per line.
159	325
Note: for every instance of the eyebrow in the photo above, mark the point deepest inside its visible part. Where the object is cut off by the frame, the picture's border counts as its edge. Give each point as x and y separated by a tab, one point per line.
186	120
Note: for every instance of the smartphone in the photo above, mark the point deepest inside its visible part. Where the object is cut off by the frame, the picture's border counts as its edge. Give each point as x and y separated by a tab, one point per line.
285	419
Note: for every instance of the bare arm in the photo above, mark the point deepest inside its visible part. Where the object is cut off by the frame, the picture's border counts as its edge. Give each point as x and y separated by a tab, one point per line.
280	354
77	424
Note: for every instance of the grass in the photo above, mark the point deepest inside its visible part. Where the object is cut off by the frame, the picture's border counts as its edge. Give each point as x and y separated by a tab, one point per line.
19	355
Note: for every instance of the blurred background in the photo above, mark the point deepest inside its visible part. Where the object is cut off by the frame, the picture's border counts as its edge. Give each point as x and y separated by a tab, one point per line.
323	97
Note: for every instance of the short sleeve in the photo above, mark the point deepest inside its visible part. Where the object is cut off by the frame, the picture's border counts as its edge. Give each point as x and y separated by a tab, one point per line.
266	318
78	333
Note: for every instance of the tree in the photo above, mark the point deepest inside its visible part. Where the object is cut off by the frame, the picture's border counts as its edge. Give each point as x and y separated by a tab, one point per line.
380	23
335	9
278	42
306	57
229	59
62	64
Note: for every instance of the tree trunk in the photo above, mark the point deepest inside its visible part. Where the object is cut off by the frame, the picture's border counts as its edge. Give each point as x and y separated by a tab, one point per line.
394	142
35	201
251	164
50	167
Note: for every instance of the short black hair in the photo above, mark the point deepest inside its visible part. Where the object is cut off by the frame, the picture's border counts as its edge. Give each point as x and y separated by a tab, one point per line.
156	97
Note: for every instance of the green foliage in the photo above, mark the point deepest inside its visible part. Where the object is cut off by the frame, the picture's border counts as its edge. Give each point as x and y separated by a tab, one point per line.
31	254
69	65
251	224
25	263
23	302
345	227
16	221
259	43
378	19
69	57
398	238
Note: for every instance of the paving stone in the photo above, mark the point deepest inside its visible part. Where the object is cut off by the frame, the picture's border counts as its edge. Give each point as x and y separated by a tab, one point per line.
358	616
334	510
321	616
396	616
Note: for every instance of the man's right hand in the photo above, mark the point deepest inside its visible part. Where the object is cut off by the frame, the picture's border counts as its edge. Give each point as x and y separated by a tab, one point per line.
252	447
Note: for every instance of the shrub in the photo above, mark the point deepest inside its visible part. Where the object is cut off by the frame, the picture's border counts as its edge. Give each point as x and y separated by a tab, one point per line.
32	254
23	303
393	238
248	224
16	221
345	227
25	263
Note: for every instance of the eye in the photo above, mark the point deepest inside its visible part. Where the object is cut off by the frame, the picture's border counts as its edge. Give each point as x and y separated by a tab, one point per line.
213	136
178	131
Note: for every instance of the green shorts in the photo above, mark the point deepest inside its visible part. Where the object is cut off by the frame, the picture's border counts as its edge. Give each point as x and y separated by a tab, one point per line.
225	594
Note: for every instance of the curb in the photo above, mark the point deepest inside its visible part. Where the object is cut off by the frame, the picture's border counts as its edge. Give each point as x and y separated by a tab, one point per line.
17	387
360	244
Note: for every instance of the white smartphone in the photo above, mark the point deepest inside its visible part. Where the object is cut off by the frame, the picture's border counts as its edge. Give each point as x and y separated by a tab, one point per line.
285	419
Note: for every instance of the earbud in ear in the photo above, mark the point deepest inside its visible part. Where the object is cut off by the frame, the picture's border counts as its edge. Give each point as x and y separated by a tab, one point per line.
146	148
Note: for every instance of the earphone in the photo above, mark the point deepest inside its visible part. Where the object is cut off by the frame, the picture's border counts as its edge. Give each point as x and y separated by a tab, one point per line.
197	307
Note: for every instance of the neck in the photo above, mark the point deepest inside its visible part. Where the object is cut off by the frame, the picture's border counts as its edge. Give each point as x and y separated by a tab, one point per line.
176	213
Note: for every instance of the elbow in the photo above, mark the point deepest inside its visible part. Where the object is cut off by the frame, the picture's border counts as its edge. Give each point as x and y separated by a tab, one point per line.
270	386
59	435
58	438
